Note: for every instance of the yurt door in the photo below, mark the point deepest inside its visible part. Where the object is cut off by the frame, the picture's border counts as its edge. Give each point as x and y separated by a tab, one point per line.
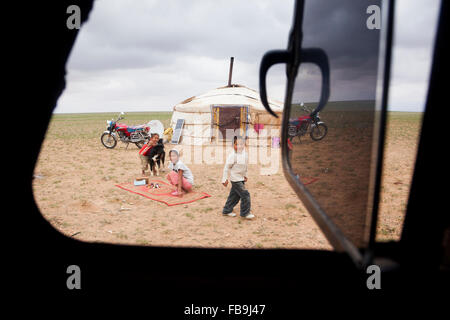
228	117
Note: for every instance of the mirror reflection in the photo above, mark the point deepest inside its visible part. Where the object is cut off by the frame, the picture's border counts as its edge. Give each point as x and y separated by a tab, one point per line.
330	151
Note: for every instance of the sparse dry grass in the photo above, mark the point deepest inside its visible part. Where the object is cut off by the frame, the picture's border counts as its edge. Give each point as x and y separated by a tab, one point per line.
400	151
77	194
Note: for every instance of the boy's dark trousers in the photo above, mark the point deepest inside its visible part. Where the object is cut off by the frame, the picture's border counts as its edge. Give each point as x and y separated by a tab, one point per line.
238	192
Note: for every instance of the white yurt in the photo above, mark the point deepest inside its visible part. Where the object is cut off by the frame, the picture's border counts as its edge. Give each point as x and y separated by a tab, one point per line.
209	117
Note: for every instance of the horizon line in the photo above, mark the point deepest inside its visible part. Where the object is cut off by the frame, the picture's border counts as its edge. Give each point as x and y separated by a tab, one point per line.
93	112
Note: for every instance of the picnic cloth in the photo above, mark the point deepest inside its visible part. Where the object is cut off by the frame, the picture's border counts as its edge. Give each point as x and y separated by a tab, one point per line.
162	194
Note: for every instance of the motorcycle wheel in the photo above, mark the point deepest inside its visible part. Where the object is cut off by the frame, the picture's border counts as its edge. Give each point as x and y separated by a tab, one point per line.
319	131
108	140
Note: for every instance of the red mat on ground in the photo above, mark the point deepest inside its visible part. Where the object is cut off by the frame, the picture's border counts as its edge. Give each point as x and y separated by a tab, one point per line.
163	194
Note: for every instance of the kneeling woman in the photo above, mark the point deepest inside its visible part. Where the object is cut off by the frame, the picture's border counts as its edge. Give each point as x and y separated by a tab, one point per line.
180	176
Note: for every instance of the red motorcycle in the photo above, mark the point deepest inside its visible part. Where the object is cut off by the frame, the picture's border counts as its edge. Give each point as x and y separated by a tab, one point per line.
127	134
311	122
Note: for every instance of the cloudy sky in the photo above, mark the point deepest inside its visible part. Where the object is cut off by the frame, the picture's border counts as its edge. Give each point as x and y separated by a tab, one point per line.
145	55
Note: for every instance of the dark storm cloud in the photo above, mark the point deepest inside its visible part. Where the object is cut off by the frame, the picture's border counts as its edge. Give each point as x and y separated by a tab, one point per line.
339	28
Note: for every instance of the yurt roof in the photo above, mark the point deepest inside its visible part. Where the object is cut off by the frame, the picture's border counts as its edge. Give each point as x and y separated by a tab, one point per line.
234	94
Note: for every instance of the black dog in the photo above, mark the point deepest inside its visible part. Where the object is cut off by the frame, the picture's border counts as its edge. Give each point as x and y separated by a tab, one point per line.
157	155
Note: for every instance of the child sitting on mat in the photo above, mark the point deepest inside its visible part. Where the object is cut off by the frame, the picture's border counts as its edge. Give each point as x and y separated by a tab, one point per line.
180	176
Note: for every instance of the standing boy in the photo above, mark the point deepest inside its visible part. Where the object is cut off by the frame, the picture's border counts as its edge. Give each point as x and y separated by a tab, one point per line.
236	171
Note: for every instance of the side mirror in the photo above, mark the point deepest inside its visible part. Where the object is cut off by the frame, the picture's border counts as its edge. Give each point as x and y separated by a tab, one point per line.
341	151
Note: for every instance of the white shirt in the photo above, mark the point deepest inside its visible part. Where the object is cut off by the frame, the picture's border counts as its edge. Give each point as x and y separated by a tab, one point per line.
186	172
235	167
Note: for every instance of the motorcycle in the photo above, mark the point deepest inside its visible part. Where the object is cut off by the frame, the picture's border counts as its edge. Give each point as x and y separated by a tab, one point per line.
311	122
127	134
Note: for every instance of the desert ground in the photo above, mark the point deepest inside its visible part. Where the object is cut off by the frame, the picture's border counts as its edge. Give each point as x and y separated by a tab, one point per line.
403	130
75	179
